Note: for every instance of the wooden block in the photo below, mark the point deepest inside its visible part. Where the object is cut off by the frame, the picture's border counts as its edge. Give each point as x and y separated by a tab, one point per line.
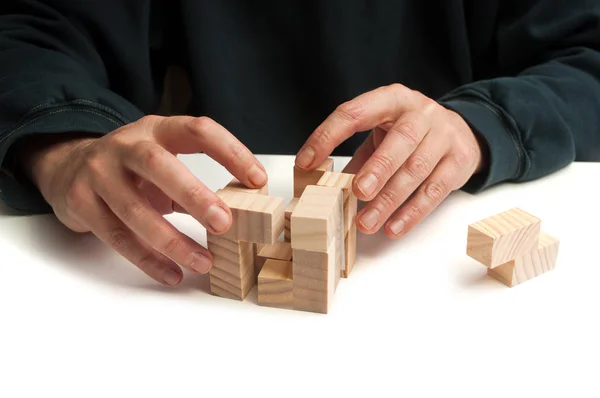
276	251
304	178
287	234
275	284
256	218
498	239
237	186
317	218
529	265
232	274
350	252
314	278
343	181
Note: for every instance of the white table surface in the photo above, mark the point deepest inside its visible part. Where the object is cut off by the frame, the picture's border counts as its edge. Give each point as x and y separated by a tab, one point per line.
417	317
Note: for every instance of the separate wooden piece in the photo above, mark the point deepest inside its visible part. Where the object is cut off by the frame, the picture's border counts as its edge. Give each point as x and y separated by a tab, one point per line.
237	186
314	278
276	251
498	239
287	231
304	178
275	284
232	273
344	181
529	265
256	218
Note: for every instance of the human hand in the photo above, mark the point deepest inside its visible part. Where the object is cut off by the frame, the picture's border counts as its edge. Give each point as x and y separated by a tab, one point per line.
119	186
416	154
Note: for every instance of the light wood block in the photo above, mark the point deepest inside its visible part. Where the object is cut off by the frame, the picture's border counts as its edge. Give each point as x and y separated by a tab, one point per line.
350	252
256	218
317	219
304	178
343	181
232	274
498	239
275	284
276	251
529	265
287	233
237	186
314	279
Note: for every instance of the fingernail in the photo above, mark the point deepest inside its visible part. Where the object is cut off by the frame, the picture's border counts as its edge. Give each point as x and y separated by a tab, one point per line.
257	176
397	227
171	277
305	157
370	218
200	263
218	219
367	184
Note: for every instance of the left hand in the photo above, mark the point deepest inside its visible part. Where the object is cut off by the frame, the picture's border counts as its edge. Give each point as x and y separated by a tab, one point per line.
416	154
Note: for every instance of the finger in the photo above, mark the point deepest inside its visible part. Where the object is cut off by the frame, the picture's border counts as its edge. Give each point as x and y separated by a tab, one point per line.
361	155
137	214
365	112
401	186
399	142
107	227
184	134
161	168
444	179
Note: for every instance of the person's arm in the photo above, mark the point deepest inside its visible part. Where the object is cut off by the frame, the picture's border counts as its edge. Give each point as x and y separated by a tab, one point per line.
541	109
76	67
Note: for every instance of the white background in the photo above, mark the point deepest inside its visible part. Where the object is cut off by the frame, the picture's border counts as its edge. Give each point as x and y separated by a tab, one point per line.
416	318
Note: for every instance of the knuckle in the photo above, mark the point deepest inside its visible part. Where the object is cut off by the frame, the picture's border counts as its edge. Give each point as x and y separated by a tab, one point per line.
324	137
149	155
436	191
75	197
198	125
385	163
170	246
194	195
350	111
389	199
462	156
407	130
132	210
238	154
118	239
417	167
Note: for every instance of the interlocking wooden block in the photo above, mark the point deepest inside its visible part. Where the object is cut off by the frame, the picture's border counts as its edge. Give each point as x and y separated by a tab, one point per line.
287	234
314	278
232	273
276	251
256	218
498	239
275	284
528	265
304	178
236	185
350	251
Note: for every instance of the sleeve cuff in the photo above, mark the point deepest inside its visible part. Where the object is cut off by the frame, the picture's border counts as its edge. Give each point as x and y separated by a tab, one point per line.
504	161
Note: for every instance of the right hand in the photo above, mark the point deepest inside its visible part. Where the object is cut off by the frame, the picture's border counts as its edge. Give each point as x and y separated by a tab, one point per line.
119	186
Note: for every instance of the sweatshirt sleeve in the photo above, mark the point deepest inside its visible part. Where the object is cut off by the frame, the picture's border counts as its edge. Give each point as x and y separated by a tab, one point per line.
540	109
64	70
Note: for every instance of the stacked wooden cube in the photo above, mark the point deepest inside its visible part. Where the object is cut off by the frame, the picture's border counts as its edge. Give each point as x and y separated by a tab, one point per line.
301	271
512	246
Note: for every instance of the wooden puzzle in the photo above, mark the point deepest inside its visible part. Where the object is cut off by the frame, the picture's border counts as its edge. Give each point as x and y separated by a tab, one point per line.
294	254
512	246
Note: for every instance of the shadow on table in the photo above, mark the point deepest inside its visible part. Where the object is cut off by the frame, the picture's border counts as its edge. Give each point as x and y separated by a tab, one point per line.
86	256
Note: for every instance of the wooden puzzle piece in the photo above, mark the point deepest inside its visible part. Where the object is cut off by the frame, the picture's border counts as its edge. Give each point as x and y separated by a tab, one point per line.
498	239
232	273
275	284
256	218
304	178
287	234
237	186
344	181
276	251
528	265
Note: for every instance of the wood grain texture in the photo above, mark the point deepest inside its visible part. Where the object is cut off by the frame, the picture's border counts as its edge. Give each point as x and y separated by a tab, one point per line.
256	218
498	239
232	274
529	265
314	279
276	251
304	178
317	218
237	186
350	252
287	233
275	284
